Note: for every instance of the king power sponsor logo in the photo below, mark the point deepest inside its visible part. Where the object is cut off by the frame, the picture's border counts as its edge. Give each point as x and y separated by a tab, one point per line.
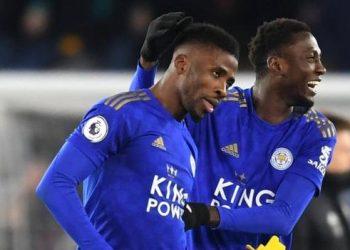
167	198
228	193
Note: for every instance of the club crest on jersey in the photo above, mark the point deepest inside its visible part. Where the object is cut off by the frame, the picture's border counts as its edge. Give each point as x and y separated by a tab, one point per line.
231	149
159	143
95	129
281	159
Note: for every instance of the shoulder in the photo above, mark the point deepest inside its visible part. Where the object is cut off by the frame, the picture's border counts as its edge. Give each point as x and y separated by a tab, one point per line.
236	96
319	124
235	101
233	106
126	100
118	109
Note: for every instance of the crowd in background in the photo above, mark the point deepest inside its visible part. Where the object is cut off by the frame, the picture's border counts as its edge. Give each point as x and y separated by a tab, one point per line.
107	34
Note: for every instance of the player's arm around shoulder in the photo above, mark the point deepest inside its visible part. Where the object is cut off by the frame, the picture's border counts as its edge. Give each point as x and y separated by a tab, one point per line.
144	76
161	33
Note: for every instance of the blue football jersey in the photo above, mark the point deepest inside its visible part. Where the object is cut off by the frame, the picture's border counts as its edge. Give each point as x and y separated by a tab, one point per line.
243	159
145	168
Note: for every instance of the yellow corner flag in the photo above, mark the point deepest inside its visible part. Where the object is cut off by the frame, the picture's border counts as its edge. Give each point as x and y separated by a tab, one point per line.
273	244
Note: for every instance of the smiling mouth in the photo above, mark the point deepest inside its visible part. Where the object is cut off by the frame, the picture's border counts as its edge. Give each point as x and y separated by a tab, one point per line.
312	86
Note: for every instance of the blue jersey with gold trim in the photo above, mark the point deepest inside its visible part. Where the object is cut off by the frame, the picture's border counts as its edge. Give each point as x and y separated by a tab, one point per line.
243	159
145	166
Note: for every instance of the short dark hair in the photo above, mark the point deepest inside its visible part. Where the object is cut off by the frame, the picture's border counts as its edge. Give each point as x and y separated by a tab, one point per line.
270	37
340	123
209	34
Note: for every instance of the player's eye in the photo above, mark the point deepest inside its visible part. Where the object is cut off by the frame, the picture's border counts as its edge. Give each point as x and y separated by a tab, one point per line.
216	74
311	59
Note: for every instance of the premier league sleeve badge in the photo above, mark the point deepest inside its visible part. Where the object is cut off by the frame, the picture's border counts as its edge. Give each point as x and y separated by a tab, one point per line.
95	129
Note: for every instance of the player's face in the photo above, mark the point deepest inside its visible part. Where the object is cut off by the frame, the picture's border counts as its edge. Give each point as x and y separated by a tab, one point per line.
304	71
210	73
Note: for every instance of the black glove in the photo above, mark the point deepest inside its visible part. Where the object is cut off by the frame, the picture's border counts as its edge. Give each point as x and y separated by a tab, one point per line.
195	215
161	32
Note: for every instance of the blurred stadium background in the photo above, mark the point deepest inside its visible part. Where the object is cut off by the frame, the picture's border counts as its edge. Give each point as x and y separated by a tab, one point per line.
58	57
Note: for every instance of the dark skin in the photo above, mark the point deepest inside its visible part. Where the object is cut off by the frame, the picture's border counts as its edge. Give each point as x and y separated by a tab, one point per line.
196	80
286	82
291	78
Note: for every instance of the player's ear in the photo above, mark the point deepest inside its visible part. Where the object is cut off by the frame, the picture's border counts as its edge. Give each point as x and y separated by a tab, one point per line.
276	65
181	63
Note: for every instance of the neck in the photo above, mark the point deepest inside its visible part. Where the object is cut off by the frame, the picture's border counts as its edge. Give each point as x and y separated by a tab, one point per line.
165	90
269	104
